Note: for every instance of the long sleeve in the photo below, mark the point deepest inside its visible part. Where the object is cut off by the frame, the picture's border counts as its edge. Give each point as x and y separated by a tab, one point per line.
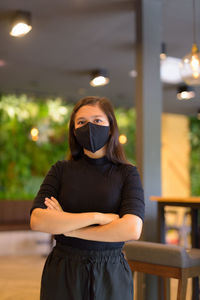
132	194
49	187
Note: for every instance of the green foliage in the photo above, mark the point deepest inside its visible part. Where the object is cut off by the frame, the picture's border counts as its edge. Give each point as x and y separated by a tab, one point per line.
24	162
126	120
195	155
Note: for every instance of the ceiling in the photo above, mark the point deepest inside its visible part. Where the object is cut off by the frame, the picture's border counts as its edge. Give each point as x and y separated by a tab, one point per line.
71	38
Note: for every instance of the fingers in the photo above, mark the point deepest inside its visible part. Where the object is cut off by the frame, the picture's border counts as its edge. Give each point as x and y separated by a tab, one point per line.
49	203
52	204
57	204
54	199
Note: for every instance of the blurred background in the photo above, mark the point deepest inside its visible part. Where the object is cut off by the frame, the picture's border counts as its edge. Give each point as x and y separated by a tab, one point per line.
71	49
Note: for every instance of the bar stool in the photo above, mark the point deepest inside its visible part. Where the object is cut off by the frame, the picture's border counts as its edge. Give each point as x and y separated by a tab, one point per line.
167	261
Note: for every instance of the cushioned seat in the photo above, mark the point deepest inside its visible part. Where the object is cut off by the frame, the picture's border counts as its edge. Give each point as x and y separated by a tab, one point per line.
167	261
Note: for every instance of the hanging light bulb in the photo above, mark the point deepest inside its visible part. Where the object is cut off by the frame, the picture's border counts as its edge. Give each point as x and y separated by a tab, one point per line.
163	54
21	24
190	67
190	64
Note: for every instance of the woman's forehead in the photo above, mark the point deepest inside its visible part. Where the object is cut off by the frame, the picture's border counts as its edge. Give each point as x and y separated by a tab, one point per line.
88	111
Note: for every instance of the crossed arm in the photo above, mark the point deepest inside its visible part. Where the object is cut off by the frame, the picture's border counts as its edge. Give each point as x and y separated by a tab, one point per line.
110	227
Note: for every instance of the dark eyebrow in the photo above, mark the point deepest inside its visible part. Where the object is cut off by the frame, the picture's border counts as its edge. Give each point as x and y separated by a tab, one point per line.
92	116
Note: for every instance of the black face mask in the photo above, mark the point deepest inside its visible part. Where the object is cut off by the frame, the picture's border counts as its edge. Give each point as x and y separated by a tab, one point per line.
92	137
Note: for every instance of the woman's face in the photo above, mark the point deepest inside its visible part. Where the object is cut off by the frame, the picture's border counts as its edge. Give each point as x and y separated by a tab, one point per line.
90	113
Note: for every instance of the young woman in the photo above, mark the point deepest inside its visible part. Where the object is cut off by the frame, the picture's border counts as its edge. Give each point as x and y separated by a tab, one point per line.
92	203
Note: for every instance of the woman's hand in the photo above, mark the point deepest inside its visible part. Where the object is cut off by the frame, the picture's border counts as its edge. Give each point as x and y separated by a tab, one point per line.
105	218
52	204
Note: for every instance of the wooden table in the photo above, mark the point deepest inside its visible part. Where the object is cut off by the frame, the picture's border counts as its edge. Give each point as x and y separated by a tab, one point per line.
194	204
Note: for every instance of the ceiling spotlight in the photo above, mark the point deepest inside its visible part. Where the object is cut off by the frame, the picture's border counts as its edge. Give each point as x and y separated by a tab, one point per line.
21	23
185	92
99	78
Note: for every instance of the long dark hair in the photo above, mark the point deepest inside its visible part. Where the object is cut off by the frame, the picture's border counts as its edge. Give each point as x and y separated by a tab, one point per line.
114	150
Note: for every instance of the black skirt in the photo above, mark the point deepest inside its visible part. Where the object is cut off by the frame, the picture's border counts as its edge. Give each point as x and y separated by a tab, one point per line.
75	274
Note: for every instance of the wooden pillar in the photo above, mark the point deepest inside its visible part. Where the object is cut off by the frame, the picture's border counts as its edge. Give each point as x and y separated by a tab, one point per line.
149	110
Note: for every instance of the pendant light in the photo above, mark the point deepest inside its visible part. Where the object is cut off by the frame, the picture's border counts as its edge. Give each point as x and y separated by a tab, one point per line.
163	54
190	65
21	23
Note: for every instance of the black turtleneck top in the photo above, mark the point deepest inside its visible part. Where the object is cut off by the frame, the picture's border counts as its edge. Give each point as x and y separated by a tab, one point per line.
92	185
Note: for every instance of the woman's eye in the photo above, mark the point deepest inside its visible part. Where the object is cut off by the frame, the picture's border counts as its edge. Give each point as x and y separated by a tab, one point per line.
80	122
98	120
